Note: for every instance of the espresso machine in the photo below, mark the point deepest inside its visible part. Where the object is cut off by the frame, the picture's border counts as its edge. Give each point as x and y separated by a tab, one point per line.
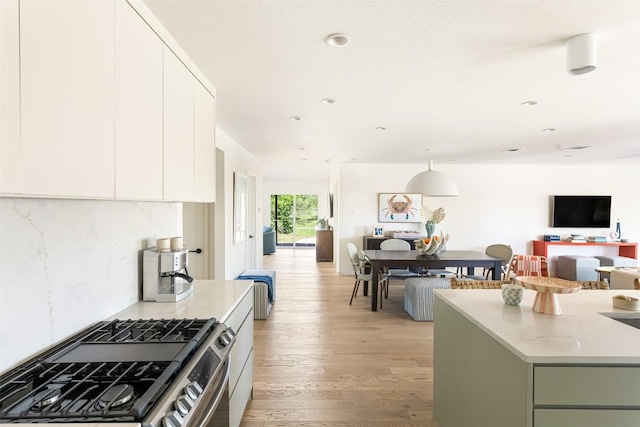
164	275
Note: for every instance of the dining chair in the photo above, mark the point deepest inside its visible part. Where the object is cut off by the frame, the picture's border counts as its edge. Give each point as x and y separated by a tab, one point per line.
528	265
402	273
361	275
477	284
498	250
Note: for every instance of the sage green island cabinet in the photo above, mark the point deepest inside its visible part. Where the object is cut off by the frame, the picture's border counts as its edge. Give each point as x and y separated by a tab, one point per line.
497	365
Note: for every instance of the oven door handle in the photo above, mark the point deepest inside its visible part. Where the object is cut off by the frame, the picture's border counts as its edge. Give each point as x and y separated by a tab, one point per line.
219	395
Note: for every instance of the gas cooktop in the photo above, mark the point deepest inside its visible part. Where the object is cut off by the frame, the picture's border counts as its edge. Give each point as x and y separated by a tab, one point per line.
113	371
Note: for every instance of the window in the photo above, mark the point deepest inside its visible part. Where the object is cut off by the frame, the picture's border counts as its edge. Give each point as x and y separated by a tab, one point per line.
294	217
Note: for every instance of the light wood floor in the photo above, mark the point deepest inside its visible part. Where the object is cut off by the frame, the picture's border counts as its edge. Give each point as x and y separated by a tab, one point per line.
320	362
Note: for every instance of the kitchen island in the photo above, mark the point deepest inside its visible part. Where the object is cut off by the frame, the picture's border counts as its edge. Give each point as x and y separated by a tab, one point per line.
229	301
497	365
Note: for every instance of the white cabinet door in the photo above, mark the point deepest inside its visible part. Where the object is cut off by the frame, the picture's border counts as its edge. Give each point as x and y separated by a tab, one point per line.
67	95
178	129
9	97
138	98
204	146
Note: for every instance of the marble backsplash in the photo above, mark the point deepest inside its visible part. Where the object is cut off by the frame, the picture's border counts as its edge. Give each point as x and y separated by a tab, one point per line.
66	264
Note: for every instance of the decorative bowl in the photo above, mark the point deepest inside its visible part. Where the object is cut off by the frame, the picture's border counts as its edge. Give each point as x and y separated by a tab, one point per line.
512	294
432	245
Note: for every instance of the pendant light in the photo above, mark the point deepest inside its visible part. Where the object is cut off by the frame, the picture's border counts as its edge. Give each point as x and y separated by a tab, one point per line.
432	183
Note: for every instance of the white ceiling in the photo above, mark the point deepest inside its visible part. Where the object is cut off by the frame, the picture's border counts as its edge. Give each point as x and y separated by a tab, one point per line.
449	76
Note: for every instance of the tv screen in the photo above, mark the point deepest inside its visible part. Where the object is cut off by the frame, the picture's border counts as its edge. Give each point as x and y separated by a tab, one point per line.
582	211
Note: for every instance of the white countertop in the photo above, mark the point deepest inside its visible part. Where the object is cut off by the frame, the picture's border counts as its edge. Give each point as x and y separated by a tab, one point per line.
210	298
578	335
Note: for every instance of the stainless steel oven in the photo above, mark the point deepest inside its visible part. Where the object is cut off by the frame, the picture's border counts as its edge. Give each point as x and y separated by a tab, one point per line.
167	373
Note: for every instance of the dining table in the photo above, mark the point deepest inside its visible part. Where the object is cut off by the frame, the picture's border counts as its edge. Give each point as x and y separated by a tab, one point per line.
379	259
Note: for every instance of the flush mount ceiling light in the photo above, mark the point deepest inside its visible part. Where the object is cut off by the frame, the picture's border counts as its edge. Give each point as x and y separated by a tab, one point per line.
582	54
548	130
529	103
337	40
296	118
381	128
432	183
328	101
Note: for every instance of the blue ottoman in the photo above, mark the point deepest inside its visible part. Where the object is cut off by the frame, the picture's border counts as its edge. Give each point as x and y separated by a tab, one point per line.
418	296
577	267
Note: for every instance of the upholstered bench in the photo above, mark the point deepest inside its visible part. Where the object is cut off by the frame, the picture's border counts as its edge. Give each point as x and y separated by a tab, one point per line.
264	291
578	267
418	296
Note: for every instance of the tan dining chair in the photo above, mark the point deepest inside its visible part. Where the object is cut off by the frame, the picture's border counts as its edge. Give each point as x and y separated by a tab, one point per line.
359	266
477	284
498	250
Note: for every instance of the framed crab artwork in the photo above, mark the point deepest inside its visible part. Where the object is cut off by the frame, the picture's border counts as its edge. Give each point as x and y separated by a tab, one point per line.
399	207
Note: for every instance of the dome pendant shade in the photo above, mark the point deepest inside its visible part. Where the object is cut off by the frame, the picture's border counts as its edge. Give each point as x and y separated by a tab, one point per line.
432	184
582	54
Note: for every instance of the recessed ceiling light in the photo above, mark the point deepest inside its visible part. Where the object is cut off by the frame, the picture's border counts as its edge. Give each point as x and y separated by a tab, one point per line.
296	118
381	128
328	101
337	40
529	103
302	149
577	147
512	150
548	130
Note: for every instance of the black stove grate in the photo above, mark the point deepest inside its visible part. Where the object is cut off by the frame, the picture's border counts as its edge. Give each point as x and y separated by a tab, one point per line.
113	371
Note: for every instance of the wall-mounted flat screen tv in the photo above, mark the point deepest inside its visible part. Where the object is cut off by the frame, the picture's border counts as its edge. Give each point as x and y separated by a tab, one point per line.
581	211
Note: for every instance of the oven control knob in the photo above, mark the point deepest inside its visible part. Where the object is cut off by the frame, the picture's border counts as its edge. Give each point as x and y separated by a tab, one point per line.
225	338
230	332
193	390
172	419
184	404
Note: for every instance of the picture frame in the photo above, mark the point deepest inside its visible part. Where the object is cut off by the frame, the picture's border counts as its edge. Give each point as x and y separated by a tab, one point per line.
240	200
378	231
399	207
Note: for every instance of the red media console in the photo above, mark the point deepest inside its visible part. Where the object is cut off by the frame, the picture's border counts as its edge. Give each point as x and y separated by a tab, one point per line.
629	250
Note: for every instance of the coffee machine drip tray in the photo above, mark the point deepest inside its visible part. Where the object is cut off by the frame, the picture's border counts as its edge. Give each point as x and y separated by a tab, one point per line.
174	293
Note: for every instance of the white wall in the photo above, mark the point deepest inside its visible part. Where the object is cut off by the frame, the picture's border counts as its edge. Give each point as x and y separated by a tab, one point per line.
237	159
66	264
497	204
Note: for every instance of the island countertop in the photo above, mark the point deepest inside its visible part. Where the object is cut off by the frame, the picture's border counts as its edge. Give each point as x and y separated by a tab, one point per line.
210	298
579	335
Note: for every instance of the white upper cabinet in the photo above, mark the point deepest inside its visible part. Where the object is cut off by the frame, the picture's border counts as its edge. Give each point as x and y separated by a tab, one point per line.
204	145
138	112
9	97
67	97
178	129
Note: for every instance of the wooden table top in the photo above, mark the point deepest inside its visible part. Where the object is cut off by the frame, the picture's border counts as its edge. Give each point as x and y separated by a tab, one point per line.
554	285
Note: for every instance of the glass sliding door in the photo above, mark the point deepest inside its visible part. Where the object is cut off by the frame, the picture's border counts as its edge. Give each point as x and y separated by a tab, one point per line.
294	217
